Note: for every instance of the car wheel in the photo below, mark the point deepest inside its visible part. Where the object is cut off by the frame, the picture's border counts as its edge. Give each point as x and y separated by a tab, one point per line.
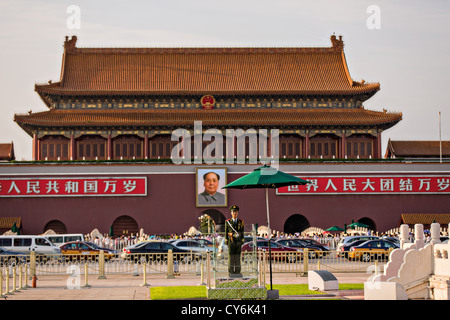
292	258
312	255
12	261
366	257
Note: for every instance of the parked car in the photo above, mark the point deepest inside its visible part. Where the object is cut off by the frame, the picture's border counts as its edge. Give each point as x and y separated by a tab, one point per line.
314	250
371	250
153	251
60	239
28	243
392	239
11	258
350	239
93	245
344	249
77	250
316	244
190	245
208	243
250	238
275	248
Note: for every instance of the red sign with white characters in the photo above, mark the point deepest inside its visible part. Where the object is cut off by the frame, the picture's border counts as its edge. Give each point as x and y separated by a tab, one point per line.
370	185
73	187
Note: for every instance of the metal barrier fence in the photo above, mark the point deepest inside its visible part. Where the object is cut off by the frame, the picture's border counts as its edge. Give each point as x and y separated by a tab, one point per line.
191	263
16	274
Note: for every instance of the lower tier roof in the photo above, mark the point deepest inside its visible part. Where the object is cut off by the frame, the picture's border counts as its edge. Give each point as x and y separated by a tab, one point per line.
232	118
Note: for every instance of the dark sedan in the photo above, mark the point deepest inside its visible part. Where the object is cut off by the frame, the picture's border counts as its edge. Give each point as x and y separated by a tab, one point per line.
10	257
93	245
154	251
316	244
314	250
279	252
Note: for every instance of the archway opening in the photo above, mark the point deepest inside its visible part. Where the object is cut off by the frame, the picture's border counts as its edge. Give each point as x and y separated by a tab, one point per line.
217	216
295	224
57	226
369	222
124	226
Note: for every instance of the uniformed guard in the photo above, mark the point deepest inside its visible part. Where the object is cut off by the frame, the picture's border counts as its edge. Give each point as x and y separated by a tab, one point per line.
234	238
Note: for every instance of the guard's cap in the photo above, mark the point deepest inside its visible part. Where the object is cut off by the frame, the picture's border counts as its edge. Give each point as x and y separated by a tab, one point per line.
234	208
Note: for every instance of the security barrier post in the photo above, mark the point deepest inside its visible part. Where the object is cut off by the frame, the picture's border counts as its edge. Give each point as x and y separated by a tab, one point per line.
32	264
21	278
101	265
1	285
305	261
170	274
202	283
26	277
145	284
7	291
208	269
15	279
86	285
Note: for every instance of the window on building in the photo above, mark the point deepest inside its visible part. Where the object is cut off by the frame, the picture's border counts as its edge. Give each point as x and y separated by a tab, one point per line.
54	148
90	147
128	147
161	147
359	147
323	146
290	146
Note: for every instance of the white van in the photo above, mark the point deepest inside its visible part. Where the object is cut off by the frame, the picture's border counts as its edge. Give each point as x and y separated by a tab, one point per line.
59	239
27	244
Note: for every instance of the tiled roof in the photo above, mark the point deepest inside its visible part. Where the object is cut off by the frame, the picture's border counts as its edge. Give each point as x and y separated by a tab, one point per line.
185	71
7	151
426	218
212	118
417	148
7	222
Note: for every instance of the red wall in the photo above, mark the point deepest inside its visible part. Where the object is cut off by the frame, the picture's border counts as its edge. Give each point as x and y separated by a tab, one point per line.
170	206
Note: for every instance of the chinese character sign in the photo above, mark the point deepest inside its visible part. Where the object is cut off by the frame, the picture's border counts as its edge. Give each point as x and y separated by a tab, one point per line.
72	187
370	185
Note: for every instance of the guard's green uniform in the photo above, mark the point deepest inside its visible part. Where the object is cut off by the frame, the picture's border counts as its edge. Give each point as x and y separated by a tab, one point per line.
234	244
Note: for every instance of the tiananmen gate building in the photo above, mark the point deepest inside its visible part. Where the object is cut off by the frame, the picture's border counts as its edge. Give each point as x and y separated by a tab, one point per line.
108	135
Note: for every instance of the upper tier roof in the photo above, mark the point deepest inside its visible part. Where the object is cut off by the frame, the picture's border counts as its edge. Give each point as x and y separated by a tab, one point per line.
198	71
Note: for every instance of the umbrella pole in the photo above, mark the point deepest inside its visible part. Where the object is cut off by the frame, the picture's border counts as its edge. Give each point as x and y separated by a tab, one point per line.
269	235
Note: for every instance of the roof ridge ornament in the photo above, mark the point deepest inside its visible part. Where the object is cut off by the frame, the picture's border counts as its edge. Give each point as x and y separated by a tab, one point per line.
337	44
70	45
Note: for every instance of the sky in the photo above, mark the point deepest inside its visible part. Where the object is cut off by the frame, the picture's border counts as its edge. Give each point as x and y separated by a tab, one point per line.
403	45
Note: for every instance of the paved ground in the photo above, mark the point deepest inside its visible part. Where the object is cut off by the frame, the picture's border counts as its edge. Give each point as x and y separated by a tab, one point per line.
129	287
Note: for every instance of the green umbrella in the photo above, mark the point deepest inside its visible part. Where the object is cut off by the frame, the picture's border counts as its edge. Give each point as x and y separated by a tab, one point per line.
334	228
14	228
358	224
266	177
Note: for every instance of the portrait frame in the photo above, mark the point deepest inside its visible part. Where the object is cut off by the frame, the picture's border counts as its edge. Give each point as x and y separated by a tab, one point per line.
202	201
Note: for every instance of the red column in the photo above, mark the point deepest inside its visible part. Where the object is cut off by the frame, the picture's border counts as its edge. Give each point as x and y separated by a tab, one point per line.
109	148
306	145
344	146
146	146
379	154
72	155
35	148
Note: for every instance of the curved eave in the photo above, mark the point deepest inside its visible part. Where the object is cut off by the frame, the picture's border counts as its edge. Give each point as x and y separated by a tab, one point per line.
233	118
51	90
